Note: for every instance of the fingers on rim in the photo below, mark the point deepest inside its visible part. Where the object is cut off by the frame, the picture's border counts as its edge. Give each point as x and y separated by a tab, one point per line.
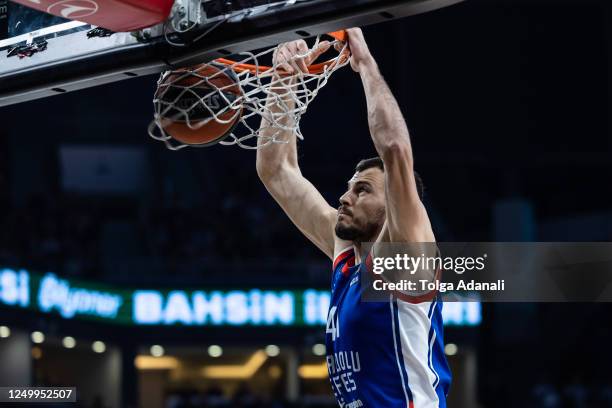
286	66
297	64
323	46
285	61
290	56
302	64
302	47
287	54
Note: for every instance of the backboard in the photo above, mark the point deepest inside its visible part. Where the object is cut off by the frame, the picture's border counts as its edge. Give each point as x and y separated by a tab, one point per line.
45	55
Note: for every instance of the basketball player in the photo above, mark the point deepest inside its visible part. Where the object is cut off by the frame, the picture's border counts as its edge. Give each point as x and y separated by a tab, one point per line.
379	354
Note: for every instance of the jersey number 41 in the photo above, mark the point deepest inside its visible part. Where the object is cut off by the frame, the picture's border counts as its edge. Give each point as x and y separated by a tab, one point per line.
333	326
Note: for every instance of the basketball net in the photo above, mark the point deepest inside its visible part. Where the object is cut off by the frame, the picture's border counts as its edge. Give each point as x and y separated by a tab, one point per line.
259	86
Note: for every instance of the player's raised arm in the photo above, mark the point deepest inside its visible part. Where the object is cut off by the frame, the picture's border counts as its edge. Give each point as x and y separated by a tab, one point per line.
407	219
277	164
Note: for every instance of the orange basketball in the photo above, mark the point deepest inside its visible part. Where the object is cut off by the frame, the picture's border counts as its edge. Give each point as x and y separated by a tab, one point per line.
189	96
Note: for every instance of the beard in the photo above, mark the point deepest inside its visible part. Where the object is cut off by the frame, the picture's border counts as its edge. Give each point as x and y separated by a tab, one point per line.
354	234
366	233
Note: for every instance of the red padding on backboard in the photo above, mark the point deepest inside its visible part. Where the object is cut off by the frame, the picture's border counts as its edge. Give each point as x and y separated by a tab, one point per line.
116	15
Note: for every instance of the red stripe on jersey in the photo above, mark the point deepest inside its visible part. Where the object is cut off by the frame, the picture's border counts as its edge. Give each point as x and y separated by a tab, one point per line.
343	255
349	263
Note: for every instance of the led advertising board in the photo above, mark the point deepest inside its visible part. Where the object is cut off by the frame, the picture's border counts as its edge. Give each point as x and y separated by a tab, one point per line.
85	300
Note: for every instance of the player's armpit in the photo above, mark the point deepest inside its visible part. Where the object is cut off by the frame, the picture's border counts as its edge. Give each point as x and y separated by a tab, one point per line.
304	205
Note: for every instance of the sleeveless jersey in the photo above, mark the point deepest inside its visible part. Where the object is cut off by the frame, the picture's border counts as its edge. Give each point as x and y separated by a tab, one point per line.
383	354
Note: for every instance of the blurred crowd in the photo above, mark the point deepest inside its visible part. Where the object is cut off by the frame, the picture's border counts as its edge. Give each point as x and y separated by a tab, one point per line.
76	237
50	234
229	228
574	395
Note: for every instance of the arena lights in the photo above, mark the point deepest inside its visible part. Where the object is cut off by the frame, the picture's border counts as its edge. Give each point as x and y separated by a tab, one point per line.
98	346
319	349
275	372
157	350
272	350
313	371
451	349
4	332
215	351
156	363
37	353
37	337
238	371
69	342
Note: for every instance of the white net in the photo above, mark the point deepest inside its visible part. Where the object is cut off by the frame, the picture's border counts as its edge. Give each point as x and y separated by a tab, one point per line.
233	97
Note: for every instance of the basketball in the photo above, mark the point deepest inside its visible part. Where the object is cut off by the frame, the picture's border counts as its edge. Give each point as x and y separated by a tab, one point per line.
199	104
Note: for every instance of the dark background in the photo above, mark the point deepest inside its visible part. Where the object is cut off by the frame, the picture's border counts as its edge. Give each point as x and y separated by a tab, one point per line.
508	104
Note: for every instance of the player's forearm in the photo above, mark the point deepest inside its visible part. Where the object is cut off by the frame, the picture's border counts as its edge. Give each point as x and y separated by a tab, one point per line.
386	122
275	156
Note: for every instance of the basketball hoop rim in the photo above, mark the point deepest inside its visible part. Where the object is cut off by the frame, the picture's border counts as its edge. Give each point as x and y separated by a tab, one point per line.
314	69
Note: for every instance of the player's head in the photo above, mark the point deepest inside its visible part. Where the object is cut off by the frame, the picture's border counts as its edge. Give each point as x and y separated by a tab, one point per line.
361	214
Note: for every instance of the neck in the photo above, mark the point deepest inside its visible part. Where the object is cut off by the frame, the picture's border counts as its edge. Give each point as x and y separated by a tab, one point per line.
357	250
357	245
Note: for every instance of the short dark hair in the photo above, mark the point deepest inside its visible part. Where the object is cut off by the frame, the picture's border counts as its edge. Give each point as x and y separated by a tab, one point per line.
378	163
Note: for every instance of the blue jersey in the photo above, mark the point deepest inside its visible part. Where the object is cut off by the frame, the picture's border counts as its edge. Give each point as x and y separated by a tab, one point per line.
383	354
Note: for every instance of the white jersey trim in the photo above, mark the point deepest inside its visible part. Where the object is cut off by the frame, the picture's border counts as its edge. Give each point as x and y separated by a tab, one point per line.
414	326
